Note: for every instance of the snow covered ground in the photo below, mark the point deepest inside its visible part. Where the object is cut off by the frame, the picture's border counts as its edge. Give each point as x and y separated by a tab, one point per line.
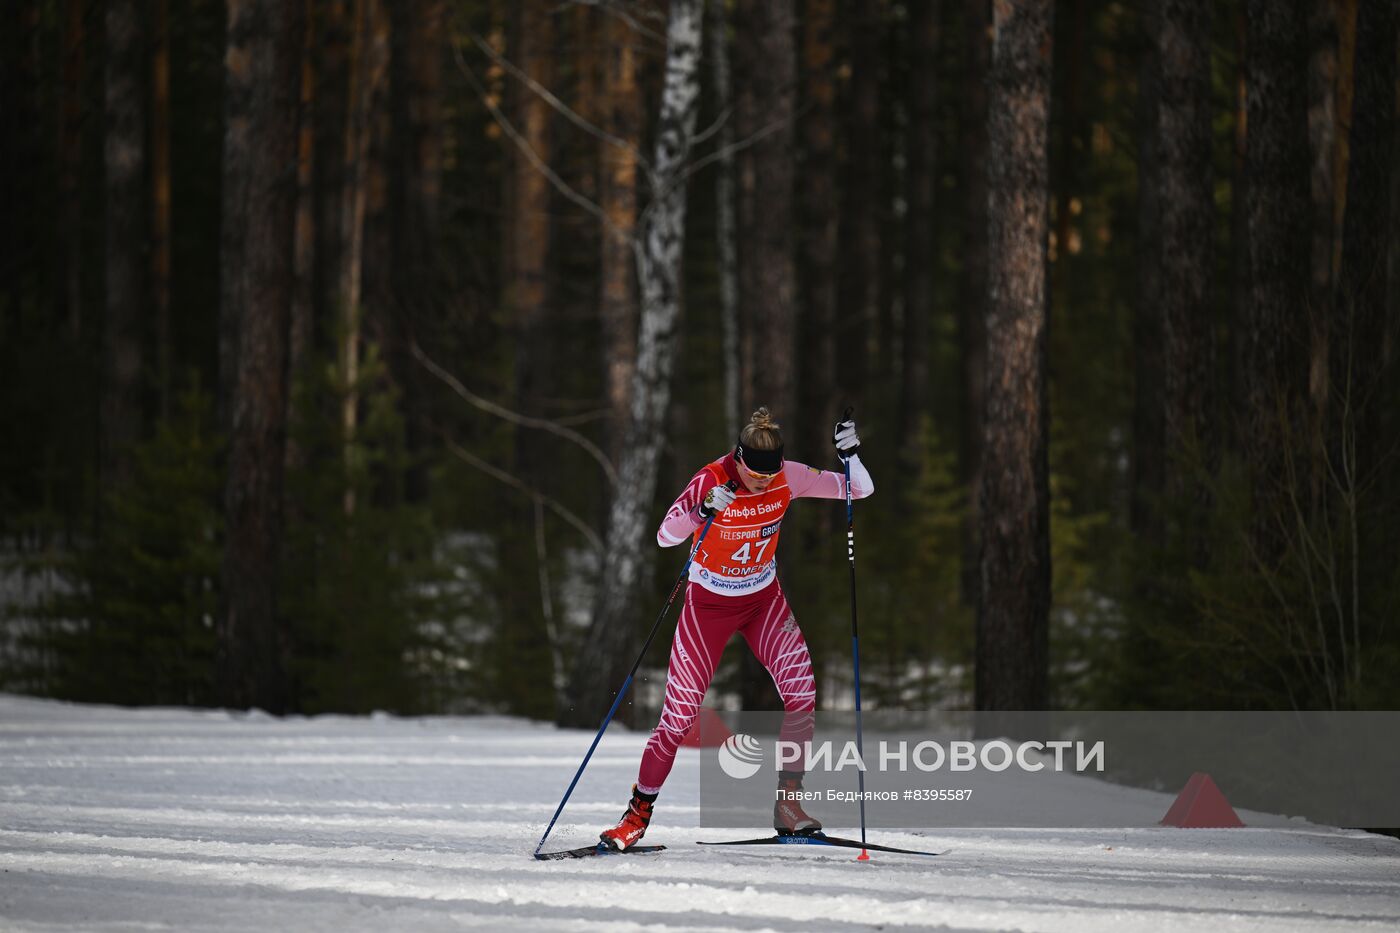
115	819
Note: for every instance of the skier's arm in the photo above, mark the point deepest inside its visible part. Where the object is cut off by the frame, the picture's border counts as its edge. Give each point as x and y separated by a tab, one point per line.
808	481
824	484
684	515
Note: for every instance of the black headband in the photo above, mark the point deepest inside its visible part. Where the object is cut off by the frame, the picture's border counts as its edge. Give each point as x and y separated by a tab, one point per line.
760	461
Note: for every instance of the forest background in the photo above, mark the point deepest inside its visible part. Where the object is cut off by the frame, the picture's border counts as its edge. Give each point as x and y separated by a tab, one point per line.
350	350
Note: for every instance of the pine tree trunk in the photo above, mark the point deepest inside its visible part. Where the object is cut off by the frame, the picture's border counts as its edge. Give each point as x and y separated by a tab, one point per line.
888	358
726	224
1188	224
767	60
259	186
303	314
526	673
602	663
859	275
124	154
160	200
1073	20
334	27
590	44
920	259
1013	612
972	287
622	103
1322	144
1239	239
1148	465
1359	323
71	162
418	30
1392	321
767	275
1175	319
820	217
1347	11
1274	318
377	252
527	293
23	161
1390	344
368	61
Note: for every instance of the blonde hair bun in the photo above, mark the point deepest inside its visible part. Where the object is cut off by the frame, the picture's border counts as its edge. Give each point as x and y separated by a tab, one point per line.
762	432
762	419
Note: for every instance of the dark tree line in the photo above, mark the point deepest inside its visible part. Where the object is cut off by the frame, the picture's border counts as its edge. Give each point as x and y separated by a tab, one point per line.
351	349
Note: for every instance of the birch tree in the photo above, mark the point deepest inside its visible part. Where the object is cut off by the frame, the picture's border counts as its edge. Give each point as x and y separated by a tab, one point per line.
606	652
1014	608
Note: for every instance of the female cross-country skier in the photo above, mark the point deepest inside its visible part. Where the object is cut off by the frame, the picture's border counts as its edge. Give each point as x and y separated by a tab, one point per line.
734	587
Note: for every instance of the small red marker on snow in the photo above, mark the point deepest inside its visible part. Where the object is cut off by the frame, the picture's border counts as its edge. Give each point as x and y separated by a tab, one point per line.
1201	805
863	857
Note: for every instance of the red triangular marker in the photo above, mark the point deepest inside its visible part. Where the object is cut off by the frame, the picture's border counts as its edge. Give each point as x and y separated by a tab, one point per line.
1201	805
709	731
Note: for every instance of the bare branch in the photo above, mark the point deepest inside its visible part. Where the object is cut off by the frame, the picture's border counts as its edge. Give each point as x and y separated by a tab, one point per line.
515	482
524	146
514	417
569	113
584	417
615	8
715	127
559	183
720	153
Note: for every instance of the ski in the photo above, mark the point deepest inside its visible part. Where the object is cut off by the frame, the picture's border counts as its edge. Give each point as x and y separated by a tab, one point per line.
599	849
818	839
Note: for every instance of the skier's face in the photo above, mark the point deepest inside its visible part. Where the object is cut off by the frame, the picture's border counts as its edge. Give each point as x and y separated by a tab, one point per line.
756	482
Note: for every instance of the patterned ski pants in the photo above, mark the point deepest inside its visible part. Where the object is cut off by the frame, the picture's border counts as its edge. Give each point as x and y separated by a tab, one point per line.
707	621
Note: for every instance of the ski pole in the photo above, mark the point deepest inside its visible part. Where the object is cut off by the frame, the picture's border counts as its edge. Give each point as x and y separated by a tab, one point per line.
622	691
855	639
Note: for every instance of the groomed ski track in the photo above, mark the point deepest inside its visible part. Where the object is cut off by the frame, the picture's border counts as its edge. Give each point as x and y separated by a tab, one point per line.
116	819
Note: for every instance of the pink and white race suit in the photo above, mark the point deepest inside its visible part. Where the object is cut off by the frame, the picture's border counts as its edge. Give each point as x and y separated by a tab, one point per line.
734	587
